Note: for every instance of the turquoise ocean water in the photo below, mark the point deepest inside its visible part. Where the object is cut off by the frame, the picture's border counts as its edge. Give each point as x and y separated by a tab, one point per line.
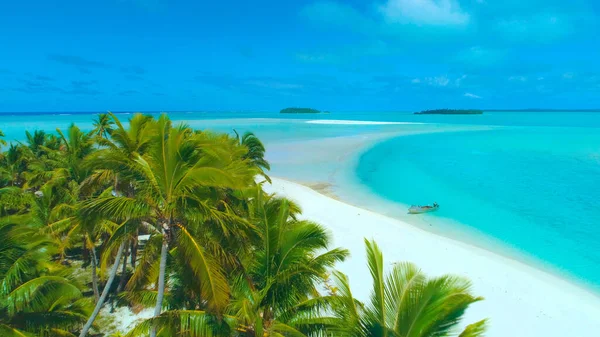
532	184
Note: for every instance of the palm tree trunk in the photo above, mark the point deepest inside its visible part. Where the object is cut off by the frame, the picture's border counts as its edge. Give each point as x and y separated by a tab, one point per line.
95	275
161	280
84	252
134	249
111	277
124	269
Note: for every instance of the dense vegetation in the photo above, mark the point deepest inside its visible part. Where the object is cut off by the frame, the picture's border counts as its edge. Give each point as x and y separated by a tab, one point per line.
299	111
450	112
220	257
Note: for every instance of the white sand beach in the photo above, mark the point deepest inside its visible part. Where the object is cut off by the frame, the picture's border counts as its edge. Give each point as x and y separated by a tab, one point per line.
123	319
520	301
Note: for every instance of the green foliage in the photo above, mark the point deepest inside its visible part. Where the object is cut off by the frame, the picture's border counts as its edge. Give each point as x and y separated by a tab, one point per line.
103	125
406	303
450	112
2	141
299	111
176	216
35	296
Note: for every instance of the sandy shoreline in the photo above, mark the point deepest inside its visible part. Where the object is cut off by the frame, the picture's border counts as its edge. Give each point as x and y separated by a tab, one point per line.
519	300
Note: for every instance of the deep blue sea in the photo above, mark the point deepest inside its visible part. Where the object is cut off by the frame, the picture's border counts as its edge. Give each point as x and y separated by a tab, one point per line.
533	183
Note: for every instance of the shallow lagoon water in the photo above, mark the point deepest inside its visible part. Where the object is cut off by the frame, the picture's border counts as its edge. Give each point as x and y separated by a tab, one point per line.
532	184
537	190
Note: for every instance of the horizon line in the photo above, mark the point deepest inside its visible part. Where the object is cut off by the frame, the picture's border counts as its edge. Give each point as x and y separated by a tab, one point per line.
270	111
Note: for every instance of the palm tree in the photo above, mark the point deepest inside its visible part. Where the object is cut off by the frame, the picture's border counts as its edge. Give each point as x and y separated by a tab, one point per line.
36	295
279	286
53	210
256	152
2	141
118	151
173	181
102	125
14	166
102	298
274	289
75	148
405	303
111	162
35	141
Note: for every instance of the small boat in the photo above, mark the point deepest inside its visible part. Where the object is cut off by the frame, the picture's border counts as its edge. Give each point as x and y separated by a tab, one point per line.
423	209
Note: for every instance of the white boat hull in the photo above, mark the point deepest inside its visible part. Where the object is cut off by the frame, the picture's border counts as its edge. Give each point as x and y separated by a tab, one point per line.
419	210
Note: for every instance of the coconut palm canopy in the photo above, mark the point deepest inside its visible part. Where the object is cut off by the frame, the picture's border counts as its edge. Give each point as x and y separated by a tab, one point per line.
151	214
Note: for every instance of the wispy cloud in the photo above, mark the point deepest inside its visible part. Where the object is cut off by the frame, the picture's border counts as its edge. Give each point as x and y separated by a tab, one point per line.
247	83
424	12
517	78
440	81
470	95
77	61
538	27
45	87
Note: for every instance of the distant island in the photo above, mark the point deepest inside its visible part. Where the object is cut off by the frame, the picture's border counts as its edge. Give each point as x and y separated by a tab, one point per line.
542	110
299	111
450	112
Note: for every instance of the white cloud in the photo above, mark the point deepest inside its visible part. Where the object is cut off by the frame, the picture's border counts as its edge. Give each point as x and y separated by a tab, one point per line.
518	78
539	27
568	75
470	95
440	81
425	12
458	80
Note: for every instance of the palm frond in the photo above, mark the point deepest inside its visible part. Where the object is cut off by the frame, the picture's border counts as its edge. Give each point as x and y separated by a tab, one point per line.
185	323
377	309
38	294
146	271
476	329
115	208
212	281
8	331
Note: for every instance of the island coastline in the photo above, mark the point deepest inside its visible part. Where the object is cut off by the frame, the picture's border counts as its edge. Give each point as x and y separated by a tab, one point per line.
534	296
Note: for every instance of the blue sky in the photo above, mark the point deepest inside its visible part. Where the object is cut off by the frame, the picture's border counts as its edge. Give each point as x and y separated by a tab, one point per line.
144	55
